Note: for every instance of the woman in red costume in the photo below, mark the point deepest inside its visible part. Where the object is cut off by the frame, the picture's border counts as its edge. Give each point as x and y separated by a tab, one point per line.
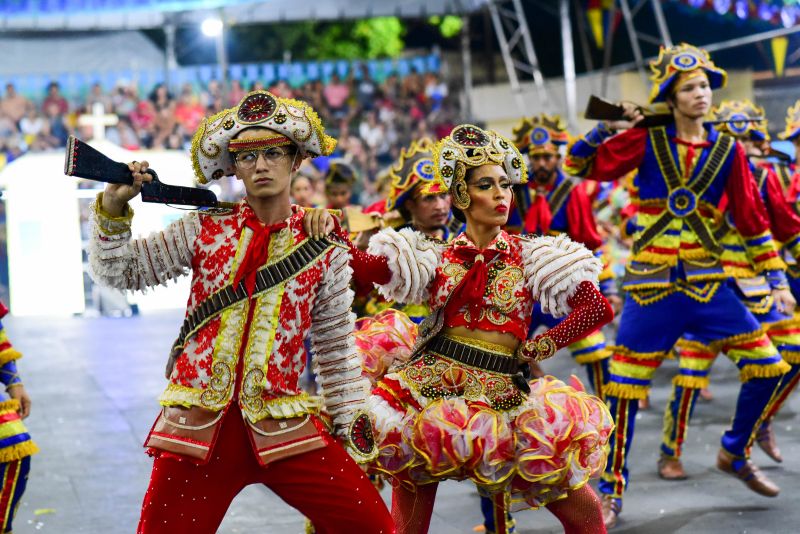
460	408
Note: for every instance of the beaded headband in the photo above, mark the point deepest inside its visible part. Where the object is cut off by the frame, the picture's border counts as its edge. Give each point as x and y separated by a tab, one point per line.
293	119
241	145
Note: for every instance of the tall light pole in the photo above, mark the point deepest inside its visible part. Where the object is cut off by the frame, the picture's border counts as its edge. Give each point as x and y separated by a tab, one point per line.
214	27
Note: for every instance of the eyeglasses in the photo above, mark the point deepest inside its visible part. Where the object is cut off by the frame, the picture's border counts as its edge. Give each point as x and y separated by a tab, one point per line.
247	160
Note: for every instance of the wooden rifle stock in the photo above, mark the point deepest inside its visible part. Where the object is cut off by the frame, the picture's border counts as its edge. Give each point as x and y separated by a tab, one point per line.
599	109
83	161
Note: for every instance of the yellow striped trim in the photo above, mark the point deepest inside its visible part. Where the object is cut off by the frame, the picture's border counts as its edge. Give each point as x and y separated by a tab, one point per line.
791	356
748	372
18	451
625	391
694	382
631	370
11	405
625	351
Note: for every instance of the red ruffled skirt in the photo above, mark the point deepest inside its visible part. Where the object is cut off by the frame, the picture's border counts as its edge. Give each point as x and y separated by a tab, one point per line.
551	443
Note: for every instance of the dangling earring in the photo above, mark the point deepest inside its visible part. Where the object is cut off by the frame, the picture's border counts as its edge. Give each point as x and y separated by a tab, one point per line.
458	189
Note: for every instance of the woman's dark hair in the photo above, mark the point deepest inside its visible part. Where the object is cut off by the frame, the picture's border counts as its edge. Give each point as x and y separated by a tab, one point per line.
458	214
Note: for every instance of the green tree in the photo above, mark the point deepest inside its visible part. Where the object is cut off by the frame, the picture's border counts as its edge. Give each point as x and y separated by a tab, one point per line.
449	25
361	39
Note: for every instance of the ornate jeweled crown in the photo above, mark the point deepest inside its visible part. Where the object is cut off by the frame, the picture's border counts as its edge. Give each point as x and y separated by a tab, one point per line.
469	146
542	133
739	120
413	168
291	118
675	60
792	129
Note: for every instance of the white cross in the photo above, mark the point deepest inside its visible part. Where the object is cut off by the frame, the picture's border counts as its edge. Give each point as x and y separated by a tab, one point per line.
98	120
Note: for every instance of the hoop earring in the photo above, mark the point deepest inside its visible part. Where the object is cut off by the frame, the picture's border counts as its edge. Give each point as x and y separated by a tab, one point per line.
458	189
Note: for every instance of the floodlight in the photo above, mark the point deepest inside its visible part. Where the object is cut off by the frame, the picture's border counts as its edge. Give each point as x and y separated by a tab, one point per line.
211	27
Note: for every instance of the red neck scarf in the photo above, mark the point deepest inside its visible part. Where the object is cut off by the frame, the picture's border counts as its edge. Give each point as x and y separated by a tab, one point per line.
471	289
257	251
538	218
690	154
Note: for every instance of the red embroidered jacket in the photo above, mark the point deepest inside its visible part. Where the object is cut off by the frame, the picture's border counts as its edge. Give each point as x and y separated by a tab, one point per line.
257	341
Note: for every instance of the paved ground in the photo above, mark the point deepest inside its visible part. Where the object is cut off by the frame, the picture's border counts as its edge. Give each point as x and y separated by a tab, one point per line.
94	384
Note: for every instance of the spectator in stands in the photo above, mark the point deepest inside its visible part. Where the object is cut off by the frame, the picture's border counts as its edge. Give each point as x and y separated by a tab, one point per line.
339	182
31	126
312	93
336	94
55	98
412	86
370	131
210	98
44	140
161	98
128	138
189	111
302	191
96	96
8	127
435	91
124	99
57	122
366	90
11	149
282	89
142	121
391	88
236	93
13	105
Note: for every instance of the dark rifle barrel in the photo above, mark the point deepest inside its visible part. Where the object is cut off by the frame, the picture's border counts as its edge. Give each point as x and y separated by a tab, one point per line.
599	109
83	161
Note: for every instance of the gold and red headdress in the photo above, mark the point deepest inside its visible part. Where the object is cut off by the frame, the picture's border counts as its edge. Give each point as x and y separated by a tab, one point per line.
679	61
792	129
541	134
413	171
739	117
469	146
291	122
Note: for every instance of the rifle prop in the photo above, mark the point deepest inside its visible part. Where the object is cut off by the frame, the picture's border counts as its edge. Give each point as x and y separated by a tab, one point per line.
83	161
599	109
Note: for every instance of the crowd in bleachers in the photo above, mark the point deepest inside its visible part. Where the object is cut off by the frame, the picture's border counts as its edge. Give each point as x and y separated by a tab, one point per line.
371	119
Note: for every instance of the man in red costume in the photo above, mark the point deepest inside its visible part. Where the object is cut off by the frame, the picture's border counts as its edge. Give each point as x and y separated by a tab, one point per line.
234	412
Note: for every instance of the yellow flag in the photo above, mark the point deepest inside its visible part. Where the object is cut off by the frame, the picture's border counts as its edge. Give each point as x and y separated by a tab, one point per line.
779	47
595	16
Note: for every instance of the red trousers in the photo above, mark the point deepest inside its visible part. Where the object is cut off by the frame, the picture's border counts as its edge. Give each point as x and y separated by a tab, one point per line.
325	485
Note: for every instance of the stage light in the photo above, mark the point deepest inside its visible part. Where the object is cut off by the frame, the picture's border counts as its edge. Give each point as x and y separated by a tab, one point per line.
742	9
765	11
722	6
211	27
789	16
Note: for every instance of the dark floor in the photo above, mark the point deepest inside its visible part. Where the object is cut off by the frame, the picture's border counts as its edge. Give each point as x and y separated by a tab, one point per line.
94	383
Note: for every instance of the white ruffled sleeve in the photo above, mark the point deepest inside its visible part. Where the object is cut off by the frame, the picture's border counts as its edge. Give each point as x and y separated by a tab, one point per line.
554	266
336	360
120	262
412	260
